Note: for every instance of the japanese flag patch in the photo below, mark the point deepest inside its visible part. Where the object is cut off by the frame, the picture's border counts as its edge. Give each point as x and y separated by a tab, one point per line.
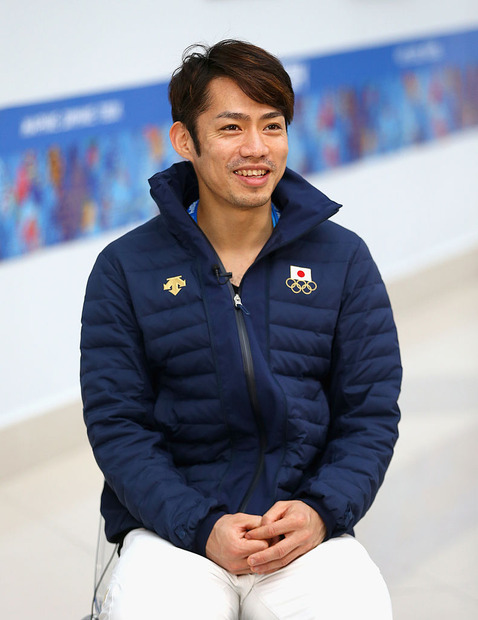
301	273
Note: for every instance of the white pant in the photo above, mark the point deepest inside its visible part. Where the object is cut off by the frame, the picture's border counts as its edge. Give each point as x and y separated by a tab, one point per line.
154	580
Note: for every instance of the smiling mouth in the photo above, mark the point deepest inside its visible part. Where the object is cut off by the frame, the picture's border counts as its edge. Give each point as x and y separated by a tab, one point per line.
251	173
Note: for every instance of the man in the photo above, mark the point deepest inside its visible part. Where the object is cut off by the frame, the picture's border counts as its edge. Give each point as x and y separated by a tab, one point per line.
240	372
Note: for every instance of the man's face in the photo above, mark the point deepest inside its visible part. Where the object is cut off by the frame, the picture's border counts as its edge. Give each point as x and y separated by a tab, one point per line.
243	149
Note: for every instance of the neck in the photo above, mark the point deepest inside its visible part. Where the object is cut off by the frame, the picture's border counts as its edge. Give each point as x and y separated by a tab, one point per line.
237	235
237	228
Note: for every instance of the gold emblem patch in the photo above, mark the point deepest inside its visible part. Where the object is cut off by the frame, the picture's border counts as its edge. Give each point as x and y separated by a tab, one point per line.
174	285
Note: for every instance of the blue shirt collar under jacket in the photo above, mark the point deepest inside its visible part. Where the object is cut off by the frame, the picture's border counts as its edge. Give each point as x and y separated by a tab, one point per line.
193	212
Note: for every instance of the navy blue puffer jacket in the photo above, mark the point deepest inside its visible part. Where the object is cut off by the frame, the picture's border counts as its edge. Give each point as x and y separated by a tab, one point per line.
199	403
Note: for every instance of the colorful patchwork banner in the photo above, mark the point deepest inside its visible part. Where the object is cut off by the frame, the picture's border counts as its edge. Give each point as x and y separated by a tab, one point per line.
73	168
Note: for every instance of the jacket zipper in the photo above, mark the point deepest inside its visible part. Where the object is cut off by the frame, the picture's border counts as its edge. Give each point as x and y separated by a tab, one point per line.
248	366
240	311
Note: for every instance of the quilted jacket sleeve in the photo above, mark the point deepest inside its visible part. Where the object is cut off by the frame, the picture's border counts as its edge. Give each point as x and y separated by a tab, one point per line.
118	400
363	390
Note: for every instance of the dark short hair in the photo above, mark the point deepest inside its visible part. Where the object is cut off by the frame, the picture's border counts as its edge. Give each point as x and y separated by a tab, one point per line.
260	75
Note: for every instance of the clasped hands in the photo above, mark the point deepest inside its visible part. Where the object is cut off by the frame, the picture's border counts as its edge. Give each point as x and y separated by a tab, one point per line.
244	544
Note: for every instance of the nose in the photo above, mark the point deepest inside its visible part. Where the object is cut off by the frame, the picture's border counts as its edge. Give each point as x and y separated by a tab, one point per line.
254	144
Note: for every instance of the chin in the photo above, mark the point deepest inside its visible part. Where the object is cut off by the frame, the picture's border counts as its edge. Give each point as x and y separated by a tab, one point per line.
252	201
251	204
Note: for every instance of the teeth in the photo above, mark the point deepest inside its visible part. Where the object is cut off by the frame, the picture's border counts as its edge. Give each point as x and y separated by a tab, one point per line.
251	173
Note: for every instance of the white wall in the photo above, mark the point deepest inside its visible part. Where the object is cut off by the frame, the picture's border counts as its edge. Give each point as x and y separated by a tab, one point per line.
412	207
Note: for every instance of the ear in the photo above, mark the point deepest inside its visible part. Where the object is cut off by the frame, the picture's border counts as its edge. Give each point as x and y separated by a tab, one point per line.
182	141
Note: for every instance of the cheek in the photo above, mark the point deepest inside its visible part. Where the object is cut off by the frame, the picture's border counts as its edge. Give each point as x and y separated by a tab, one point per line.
285	152
216	158
282	149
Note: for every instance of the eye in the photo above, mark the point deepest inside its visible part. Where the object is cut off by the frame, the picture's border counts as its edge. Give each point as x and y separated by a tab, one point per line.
274	127
230	127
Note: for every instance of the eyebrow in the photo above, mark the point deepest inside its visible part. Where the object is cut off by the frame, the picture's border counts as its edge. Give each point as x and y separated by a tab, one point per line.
239	116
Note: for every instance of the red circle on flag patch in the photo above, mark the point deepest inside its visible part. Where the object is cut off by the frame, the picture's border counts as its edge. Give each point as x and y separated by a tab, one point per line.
301	273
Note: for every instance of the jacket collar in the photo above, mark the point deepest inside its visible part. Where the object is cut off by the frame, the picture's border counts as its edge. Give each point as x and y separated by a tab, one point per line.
302	206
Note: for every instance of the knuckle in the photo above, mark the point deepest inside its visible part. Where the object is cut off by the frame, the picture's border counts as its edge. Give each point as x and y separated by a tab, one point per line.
282	552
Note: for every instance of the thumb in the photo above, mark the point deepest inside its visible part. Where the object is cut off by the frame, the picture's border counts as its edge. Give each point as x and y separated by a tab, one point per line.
250	522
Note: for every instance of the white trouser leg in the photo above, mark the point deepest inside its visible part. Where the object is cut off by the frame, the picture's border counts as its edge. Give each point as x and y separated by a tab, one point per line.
335	581
154	580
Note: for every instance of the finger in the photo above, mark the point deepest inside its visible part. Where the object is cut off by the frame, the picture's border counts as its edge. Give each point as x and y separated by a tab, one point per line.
276	512
246	570
248	522
239	567
274	553
272	530
251	547
272	567
281	519
277	563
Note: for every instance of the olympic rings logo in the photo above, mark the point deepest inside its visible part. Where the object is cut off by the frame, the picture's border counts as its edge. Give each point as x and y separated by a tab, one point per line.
301	286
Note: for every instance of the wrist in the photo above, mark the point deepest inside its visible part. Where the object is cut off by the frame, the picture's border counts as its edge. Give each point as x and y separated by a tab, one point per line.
204	530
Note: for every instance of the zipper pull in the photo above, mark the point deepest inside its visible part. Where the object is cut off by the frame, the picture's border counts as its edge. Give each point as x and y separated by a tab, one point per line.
239	305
